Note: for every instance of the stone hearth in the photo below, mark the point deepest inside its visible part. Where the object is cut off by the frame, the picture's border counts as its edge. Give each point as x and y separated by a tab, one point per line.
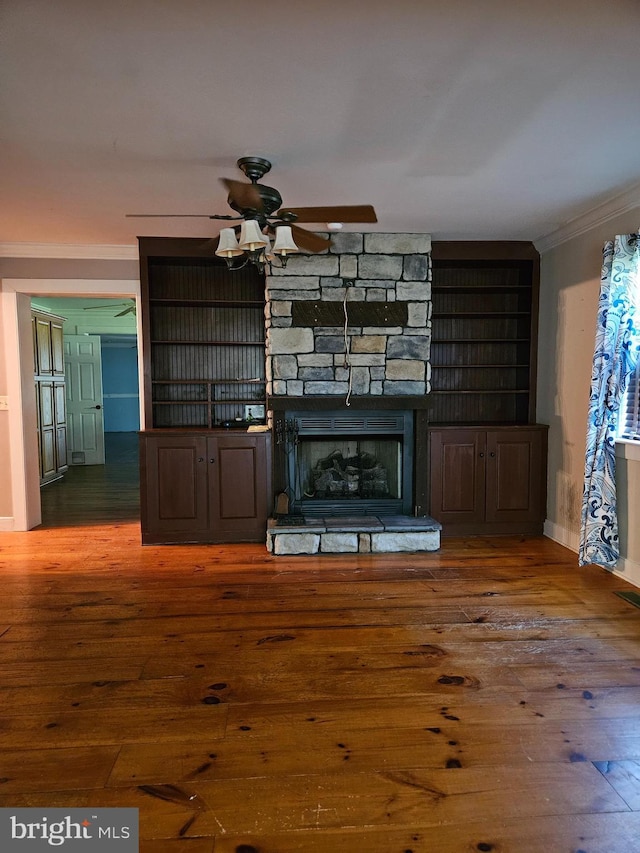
361	535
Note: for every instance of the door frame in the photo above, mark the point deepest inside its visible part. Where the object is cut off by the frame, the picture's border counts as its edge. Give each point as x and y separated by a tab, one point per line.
16	297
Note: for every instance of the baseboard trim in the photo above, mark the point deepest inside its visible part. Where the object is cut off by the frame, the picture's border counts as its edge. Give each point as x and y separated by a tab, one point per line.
562	536
626	569
7	524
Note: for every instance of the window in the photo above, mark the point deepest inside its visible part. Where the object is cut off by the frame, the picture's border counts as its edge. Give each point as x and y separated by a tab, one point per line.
629	421
629	417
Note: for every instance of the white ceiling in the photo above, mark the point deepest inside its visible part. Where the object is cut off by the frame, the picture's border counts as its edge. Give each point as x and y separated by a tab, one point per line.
497	119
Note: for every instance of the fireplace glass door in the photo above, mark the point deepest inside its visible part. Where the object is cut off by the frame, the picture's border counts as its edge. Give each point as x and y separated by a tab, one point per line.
333	471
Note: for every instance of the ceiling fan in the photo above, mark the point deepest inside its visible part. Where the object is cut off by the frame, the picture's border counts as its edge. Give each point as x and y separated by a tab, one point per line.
129	308
261	212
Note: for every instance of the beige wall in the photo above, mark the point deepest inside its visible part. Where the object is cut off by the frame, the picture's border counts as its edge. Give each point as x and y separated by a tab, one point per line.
5	468
570	283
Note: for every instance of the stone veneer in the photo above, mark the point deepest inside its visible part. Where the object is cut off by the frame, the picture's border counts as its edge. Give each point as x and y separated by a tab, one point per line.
386	359
362	535
382	360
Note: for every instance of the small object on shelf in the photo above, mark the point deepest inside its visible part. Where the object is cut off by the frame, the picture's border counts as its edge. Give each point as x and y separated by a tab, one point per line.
254	412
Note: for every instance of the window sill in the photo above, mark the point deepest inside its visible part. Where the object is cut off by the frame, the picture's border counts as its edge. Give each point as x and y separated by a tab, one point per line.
626	449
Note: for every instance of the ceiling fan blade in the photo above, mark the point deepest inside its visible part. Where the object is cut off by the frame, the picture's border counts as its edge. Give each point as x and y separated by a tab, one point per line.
167	215
245	196
347	213
130	310
308	241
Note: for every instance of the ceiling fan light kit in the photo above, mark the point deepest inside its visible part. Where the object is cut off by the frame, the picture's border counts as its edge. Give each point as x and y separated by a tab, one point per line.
259	208
255	246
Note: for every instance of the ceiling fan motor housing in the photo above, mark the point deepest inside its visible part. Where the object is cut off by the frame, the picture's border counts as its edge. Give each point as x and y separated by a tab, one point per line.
254	167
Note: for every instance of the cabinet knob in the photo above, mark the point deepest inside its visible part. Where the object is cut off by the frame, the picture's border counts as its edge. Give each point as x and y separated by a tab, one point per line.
212	460
492	453
201	459
481	455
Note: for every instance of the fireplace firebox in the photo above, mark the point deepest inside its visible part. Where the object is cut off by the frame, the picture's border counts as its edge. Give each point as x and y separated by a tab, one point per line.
348	463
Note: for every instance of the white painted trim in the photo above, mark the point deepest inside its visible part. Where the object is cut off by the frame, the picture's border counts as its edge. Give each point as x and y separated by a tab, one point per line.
628	570
626	449
74	251
7	524
598	215
562	536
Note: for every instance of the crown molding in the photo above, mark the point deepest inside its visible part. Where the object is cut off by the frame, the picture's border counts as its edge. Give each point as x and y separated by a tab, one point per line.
70	251
615	206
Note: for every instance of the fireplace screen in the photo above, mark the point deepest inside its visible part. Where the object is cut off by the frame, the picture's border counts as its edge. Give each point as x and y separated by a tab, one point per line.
348	463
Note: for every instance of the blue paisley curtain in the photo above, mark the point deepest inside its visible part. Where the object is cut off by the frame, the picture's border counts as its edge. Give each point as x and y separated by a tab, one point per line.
616	354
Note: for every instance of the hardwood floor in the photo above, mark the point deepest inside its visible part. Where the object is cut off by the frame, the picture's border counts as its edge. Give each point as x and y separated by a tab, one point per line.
482	698
97	493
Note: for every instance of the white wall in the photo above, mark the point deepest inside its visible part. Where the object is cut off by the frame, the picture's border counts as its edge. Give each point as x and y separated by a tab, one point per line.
570	283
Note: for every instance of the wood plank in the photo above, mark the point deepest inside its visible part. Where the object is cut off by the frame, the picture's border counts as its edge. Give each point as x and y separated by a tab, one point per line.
624	777
485	694
604	833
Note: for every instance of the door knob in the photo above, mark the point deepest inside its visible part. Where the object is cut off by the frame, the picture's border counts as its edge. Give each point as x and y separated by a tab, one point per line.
95	407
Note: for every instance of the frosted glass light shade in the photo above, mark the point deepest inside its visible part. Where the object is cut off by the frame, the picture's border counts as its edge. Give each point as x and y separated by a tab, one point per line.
251	238
285	244
227	244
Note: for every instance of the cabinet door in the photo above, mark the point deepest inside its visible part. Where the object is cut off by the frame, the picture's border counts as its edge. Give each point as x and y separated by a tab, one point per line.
43	341
173	477
57	349
48	465
238	486
457	465
60	418
515	475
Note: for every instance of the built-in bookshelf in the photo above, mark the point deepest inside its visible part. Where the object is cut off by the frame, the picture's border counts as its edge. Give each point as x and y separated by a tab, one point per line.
204	338
484	323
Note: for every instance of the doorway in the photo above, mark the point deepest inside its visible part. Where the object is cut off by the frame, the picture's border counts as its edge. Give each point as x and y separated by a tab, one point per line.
17	294
103	413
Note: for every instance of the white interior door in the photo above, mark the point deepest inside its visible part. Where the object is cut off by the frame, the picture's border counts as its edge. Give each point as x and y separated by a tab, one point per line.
85	418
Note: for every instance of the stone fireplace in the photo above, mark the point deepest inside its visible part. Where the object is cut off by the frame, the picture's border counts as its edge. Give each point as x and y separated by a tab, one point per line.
347	361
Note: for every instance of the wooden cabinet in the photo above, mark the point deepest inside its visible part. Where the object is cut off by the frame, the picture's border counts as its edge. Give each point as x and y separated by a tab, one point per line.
488	480
487	457
203	344
48	361
204	486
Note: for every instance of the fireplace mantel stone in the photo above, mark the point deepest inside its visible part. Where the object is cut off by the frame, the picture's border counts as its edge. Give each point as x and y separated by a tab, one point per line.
381	361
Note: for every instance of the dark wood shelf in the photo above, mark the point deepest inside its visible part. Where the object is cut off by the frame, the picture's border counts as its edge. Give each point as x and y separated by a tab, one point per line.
478	315
480	340
474	288
484	323
485	391
207	303
209	343
435	365
208	382
208	402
